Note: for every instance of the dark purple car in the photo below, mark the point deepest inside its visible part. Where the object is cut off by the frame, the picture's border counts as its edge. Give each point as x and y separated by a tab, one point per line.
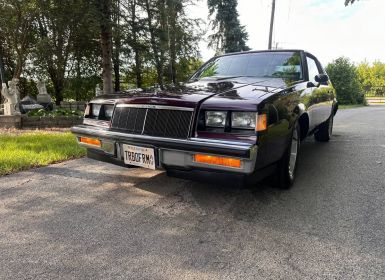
240	116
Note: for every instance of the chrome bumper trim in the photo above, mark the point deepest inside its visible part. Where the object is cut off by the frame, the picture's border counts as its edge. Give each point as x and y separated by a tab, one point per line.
230	148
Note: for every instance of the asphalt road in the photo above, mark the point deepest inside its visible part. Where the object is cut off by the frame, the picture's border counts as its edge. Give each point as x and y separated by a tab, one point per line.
87	220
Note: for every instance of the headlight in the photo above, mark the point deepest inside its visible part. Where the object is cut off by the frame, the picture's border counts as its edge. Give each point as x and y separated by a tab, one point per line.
216	118
243	120
95	108
108	109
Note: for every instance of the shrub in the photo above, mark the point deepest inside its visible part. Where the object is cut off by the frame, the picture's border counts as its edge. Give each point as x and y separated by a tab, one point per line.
343	74
54	113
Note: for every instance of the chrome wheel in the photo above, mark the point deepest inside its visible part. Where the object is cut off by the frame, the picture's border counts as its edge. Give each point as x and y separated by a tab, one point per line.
293	153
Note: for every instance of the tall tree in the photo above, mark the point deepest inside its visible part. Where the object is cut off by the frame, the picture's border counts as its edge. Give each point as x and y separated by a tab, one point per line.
173	36
56	30
117	43
230	35
105	21
135	37
182	36
60	24
142	42
156	35
17	32
84	61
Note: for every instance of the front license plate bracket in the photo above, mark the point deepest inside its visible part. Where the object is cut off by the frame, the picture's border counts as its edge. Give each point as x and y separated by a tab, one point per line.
139	156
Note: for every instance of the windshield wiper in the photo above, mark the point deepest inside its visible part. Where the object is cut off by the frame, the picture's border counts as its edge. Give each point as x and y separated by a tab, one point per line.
225	78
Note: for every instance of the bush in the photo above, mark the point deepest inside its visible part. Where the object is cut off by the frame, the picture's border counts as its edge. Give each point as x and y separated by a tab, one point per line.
54	113
343	74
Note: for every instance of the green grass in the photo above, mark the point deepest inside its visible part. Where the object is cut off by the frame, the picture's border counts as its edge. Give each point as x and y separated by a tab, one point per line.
23	151
341	107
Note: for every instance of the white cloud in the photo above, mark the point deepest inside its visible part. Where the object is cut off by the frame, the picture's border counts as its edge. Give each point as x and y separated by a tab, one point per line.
326	28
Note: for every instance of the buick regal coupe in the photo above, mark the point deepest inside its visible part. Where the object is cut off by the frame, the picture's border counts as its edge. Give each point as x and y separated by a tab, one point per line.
241	116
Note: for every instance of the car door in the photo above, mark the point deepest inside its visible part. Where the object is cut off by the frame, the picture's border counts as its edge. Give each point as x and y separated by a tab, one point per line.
320	94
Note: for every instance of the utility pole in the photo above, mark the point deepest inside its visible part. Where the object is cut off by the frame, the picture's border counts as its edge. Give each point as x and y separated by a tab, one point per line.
271	24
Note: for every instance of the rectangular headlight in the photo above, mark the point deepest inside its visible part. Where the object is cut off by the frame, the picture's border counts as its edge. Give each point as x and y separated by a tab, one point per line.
95	109
216	118
243	120
108	109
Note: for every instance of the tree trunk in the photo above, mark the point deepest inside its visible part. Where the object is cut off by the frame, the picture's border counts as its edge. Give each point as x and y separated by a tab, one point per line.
172	40
117	43
18	68
106	45
58	85
136	47
2	68
138	69
117	67
78	79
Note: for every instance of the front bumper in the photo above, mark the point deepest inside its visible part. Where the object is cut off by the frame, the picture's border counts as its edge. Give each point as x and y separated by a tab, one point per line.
170	153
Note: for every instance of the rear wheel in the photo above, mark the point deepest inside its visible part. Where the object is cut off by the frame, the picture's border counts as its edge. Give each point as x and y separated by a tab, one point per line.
325	130
287	165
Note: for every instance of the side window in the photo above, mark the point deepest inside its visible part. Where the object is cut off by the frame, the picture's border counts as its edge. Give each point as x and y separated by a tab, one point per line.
312	68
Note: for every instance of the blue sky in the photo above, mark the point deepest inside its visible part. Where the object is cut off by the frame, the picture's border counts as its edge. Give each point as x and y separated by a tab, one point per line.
326	28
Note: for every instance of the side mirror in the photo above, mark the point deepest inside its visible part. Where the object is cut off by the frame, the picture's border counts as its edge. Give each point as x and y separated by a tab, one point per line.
321	78
310	85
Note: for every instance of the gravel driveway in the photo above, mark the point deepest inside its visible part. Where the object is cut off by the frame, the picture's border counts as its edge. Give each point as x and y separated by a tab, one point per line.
89	220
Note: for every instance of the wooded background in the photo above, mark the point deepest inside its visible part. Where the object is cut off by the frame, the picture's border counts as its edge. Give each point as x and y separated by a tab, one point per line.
74	45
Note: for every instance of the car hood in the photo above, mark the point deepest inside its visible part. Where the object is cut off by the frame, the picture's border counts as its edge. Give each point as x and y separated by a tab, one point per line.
221	92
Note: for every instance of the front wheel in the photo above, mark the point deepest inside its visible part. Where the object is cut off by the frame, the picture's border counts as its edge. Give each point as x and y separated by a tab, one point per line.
325	130
287	165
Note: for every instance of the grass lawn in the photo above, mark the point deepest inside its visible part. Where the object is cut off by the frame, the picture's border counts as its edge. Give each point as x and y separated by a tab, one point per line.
350	106
20	151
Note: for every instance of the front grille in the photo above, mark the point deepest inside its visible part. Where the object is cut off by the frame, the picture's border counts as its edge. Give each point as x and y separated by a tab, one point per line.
160	121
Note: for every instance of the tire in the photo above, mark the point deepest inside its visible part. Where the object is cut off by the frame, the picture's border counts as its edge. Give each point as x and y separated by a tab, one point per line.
325	130
287	165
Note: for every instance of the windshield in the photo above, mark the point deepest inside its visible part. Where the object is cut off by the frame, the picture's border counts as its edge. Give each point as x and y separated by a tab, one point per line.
286	65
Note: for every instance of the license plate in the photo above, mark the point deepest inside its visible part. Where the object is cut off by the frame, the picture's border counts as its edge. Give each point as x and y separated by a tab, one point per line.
139	156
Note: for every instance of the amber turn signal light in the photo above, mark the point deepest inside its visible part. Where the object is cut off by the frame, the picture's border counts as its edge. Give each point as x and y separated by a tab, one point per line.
90	141
261	123
215	160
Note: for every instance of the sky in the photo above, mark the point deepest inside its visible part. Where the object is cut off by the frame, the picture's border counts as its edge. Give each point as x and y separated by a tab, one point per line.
326	28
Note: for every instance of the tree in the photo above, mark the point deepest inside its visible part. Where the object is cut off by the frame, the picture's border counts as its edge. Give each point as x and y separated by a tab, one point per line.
135	39
155	12
63	30
16	33
104	16
344	77
141	42
372	78
54	42
230	35
183	37
347	2
117	43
